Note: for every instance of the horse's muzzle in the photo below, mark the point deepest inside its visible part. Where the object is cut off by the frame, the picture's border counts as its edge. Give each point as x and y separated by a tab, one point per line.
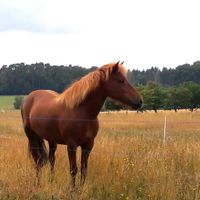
138	105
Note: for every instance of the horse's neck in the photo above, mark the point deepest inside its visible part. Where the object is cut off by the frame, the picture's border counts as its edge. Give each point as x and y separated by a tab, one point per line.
93	103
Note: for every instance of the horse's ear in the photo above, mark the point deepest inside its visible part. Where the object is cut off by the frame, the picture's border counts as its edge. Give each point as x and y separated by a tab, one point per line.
115	68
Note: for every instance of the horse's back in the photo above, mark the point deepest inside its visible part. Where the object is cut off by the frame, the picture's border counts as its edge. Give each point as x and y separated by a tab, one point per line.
37	97
36	102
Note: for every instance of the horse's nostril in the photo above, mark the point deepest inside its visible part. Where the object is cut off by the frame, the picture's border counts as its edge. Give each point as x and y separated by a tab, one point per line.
137	105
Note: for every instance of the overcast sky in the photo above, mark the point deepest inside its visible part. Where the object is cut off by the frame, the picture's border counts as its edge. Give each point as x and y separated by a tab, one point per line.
142	33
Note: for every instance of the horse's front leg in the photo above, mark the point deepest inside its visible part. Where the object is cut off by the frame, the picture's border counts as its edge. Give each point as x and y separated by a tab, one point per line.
86	149
52	150
72	162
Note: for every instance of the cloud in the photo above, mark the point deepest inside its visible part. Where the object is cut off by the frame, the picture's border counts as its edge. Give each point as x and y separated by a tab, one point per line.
32	16
142	33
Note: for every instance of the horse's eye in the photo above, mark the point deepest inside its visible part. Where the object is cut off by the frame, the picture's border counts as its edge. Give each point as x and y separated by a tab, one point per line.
121	80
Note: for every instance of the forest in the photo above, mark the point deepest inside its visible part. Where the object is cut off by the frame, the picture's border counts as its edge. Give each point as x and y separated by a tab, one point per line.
173	88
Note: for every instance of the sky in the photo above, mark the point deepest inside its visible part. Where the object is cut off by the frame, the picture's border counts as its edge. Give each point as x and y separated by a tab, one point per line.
142	33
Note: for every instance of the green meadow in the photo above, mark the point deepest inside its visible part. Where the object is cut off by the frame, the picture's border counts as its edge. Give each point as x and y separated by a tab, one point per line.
6	102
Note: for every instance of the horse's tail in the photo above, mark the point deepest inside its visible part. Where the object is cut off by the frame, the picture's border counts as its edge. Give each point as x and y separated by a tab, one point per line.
21	108
36	145
37	149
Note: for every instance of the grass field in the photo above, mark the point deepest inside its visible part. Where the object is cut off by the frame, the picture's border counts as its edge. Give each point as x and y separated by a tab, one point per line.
129	160
6	102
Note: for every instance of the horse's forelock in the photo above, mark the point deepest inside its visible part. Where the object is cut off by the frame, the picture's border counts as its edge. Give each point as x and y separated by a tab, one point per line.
108	69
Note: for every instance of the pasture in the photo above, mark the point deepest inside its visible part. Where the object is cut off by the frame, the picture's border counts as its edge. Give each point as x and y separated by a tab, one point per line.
6	102
129	160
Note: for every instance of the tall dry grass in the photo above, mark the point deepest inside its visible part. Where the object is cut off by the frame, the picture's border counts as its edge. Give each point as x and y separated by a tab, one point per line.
129	160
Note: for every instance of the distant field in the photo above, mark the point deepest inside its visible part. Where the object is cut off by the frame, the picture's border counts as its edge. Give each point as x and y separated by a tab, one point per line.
6	102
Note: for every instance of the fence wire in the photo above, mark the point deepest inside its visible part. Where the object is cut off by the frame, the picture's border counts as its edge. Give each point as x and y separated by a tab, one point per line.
82	120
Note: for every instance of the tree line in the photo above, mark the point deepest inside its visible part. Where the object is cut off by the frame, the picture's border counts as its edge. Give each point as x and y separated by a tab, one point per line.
176	88
21	79
167	77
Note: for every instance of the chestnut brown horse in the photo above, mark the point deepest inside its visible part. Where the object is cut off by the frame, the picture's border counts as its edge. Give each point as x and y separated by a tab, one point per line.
70	118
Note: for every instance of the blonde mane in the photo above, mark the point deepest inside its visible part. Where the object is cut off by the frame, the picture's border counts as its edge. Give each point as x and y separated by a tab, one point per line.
78	91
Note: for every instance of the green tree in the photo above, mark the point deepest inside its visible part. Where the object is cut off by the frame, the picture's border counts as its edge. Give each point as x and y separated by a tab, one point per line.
18	101
153	96
178	98
194	90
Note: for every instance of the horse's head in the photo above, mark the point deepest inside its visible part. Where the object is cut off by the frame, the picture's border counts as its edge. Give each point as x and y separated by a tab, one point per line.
117	87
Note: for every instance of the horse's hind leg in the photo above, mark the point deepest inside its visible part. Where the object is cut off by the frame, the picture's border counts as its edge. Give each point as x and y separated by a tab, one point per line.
52	150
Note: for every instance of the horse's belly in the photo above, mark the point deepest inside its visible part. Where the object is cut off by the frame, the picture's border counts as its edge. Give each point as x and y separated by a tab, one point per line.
47	130
80	132
64	132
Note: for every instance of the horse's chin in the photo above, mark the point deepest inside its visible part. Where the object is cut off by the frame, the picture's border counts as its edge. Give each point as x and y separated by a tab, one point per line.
131	107
135	106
